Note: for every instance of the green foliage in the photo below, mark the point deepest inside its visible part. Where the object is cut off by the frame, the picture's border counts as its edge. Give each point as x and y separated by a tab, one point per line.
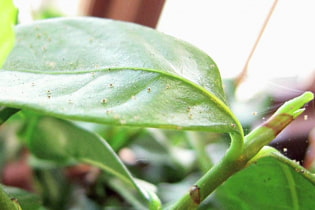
7	20
62	142
66	70
25	199
91	69
6	202
281	183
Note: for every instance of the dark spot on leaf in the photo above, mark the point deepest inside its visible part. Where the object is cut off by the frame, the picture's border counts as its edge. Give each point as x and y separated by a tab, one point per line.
190	116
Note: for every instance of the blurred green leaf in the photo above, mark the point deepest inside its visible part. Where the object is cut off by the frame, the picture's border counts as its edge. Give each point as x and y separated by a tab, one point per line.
158	159
113	72
117	137
6	112
273	182
53	187
6	202
27	200
7	20
62	141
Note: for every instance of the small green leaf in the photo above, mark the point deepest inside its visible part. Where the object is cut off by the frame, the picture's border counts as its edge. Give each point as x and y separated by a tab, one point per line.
5	201
273	182
6	113
62	141
26	200
7	20
113	72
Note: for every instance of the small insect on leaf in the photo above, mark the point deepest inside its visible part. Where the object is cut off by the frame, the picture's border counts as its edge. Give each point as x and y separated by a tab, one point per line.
104	101
194	193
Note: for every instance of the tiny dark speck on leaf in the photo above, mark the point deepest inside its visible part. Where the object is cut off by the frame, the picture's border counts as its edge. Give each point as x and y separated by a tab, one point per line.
190	116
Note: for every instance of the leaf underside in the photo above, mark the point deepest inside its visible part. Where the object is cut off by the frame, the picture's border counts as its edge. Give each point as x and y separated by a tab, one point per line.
61	141
113	72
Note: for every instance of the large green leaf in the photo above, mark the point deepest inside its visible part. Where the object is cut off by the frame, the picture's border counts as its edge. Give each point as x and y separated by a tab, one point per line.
62	141
114	72
273	182
7	20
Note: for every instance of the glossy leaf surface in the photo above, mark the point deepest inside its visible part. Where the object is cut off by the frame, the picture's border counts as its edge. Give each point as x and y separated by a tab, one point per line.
62	141
272	182
113	72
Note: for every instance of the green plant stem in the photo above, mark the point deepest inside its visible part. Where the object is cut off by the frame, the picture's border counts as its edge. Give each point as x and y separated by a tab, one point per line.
238	154
5	202
265	133
216	175
256	140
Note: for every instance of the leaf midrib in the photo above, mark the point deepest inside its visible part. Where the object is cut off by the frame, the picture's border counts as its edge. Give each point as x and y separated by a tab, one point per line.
291	186
204	91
